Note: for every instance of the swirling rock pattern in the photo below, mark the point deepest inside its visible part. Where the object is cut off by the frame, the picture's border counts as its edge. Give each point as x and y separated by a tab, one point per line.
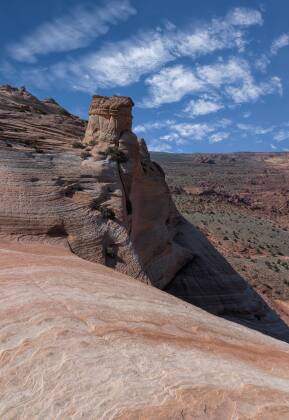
79	340
109	203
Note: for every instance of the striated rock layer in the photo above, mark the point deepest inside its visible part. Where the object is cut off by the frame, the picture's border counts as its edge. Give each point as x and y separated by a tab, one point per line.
109	203
79	340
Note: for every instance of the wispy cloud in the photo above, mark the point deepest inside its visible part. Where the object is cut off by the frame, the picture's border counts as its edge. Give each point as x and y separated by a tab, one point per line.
202	107
255	129
243	16
218	137
171	84
251	92
70	32
281	135
177	133
152	125
118	64
281	42
262	62
193	131
232	79
125	62
158	146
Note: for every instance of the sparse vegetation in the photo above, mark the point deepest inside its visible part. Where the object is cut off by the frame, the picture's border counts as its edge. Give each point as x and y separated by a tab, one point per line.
85	154
116	155
78	145
238	216
107	213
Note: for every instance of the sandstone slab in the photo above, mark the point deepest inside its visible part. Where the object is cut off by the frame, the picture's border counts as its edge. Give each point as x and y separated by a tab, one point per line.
79	340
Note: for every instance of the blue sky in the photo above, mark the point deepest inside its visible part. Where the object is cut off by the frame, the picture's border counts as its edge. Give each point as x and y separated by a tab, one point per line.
205	76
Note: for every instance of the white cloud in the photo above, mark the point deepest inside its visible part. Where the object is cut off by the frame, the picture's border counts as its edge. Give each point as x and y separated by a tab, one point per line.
273	146
202	107
152	125
118	64
232	78
218	137
194	131
125	62
181	132
171	84
255	129
245	17
281	42
223	123
262	63
281	135
139	128
159	147
239	82
249	91
232	71
220	33
71	32
170	137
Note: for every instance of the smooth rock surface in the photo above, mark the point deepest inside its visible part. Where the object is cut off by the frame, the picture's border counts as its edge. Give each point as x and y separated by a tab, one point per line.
79	340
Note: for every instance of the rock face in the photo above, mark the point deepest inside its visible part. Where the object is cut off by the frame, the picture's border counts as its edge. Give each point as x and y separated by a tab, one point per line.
79	340
31	123
109	203
139	197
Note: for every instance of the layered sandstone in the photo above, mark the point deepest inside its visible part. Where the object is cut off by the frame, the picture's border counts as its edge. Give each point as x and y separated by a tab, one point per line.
79	340
31	123
109	203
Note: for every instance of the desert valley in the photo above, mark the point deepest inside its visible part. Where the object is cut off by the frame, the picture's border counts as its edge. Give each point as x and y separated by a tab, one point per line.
241	203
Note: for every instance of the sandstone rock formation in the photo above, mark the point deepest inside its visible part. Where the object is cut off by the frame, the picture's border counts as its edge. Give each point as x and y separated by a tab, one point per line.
109	203
40	125
139	196
79	340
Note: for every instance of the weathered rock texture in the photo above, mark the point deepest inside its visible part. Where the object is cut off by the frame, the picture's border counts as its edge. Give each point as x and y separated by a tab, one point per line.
31	123
81	341
139	195
109	203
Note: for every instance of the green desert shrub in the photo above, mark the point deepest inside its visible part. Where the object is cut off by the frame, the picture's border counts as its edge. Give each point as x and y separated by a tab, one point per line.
116	155
84	154
78	145
107	213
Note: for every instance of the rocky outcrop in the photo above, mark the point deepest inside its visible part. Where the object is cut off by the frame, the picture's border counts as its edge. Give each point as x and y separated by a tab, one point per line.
139	196
41	125
81	341
109	203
